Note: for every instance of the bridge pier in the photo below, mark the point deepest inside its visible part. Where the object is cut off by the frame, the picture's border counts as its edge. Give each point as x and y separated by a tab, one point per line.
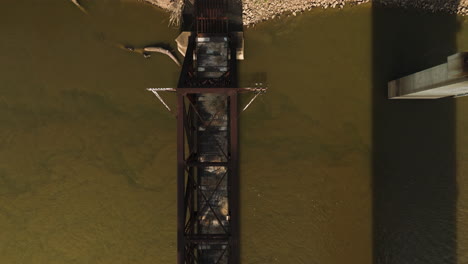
446	80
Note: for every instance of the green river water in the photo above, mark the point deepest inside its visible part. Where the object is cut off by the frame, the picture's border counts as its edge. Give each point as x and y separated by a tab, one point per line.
331	171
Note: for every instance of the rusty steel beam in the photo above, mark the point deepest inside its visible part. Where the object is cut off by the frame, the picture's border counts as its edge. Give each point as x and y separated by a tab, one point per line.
207	238
234	179
181	207
199	90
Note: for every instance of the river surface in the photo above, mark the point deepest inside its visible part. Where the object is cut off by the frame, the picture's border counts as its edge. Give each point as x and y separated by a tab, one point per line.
331	171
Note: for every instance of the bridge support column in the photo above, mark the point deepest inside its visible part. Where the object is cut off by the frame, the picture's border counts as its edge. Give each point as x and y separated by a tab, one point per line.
446	80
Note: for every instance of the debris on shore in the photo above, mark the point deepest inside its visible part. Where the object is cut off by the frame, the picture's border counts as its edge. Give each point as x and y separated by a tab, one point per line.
146	51
77	4
162	51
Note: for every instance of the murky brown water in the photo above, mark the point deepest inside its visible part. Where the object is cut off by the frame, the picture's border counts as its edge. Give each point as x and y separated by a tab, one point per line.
87	156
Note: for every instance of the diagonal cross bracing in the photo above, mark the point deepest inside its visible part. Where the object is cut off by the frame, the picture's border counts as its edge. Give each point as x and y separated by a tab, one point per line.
207	113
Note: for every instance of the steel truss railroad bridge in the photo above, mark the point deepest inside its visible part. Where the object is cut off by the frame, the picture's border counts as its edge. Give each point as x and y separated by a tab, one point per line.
207	140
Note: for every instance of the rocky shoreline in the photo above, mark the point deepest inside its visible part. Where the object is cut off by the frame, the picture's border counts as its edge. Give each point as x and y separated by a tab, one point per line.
255	11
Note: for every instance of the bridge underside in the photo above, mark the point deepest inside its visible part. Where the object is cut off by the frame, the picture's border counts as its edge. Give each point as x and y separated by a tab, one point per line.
208	183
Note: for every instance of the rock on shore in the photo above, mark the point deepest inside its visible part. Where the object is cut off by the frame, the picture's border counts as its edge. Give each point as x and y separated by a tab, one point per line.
164	4
255	11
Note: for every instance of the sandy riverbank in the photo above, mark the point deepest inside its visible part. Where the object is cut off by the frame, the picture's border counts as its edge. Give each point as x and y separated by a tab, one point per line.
255	11
165	4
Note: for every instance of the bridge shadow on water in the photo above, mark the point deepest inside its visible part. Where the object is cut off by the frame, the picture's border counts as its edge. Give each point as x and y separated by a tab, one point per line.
414	152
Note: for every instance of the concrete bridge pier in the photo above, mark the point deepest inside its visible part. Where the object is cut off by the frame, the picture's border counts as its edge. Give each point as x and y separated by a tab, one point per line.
446	80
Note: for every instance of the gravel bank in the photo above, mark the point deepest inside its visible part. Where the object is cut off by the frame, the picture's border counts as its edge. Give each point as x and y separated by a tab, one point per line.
255	11
164	4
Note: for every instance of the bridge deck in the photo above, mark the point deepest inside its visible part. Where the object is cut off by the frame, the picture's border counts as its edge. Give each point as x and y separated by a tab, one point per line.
213	213
207	141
